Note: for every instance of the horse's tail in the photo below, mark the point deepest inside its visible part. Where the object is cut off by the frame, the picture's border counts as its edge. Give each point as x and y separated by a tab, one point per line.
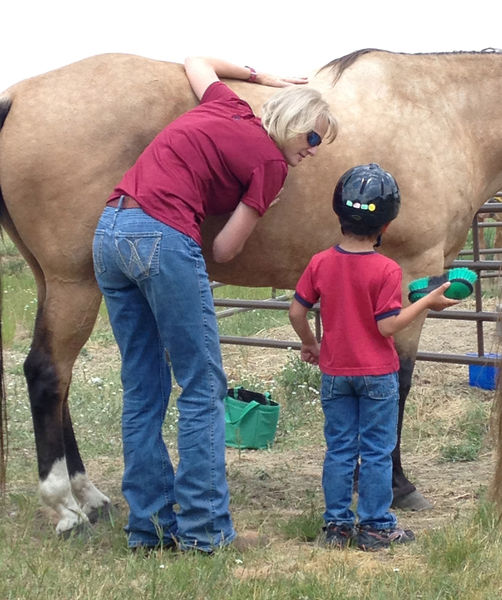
339	65
5	105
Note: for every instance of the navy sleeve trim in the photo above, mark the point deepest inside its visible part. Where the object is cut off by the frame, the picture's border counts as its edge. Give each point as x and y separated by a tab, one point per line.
302	301
391	313
342	251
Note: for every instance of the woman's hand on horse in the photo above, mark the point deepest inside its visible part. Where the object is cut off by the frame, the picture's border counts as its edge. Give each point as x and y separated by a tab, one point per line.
274	81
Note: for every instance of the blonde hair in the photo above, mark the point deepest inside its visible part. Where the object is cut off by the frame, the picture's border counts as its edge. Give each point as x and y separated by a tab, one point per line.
295	110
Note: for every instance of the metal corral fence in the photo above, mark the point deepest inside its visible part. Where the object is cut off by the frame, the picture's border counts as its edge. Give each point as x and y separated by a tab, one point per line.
482	260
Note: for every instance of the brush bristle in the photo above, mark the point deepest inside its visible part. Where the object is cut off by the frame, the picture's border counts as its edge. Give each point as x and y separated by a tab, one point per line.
418	284
416	295
462	273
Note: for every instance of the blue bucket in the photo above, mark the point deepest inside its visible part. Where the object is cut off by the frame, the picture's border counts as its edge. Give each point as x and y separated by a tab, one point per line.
484	376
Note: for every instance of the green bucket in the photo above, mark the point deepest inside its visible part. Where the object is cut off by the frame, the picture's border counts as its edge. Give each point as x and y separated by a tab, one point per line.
250	419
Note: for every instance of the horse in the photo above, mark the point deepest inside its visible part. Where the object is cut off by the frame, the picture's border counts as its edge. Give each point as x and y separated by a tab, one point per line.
433	120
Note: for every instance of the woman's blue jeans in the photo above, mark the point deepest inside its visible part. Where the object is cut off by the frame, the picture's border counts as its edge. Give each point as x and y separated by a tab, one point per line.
360	422
159	301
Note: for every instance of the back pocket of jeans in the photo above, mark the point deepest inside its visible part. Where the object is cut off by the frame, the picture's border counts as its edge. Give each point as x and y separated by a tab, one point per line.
381	387
139	253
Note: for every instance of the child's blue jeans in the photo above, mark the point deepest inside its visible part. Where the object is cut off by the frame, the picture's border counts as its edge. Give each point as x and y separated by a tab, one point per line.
360	422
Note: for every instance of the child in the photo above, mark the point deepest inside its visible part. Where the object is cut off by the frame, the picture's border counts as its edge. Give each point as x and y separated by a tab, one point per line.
360	295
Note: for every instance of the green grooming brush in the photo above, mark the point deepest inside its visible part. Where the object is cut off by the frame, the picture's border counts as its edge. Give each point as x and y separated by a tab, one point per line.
461	280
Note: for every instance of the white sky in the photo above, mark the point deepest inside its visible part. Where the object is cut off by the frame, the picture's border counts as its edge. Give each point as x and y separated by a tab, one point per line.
285	37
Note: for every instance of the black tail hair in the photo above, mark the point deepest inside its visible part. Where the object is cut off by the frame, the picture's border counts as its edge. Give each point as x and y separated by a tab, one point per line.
5	104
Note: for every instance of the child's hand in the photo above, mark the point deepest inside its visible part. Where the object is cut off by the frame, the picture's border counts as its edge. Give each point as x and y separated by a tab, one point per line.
310	353
436	300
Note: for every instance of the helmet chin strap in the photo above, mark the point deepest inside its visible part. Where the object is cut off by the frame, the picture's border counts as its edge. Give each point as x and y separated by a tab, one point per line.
378	242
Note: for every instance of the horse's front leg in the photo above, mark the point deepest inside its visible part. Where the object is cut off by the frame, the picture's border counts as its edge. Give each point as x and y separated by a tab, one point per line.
406	496
64	321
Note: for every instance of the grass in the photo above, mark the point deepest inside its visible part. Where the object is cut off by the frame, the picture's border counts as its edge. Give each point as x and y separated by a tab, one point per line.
254	321
460	561
470	432
305	526
298	385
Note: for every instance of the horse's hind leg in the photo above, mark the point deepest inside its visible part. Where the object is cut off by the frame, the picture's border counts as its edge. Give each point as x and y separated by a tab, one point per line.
64	322
405	494
91	500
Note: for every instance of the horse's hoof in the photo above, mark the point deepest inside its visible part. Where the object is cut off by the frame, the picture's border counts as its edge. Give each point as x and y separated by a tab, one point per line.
82	531
106	512
412	501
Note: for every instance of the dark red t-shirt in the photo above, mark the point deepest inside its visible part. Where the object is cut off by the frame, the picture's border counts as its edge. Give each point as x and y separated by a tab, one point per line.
206	162
355	290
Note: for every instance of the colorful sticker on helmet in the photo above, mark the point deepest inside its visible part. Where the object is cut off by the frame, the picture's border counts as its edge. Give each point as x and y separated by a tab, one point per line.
371	207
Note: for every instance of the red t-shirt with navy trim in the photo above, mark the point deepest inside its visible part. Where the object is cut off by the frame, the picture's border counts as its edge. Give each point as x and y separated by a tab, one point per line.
355	289
206	162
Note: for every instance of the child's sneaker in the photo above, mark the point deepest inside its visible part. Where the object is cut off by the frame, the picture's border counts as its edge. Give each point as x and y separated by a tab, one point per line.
369	538
338	536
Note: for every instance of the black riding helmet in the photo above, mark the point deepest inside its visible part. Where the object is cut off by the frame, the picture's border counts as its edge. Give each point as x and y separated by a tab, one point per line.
366	197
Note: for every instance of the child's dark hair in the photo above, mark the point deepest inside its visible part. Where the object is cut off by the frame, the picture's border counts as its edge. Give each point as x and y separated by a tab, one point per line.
350	227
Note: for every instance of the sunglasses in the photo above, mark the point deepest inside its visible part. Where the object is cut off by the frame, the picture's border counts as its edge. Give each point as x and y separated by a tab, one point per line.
313	138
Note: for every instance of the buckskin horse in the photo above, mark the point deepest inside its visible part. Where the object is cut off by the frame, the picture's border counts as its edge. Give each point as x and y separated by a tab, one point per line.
433	120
